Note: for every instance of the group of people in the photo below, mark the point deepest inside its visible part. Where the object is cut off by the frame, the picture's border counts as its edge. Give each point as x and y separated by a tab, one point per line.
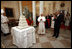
54	21
49	21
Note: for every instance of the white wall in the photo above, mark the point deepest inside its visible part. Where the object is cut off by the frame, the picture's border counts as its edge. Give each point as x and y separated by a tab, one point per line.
52	6
47	4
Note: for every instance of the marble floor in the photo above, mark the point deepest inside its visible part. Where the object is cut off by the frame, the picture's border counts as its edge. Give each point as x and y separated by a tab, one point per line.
43	41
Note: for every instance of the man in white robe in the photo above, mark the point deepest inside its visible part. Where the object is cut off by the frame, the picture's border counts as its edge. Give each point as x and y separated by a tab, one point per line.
41	20
4	23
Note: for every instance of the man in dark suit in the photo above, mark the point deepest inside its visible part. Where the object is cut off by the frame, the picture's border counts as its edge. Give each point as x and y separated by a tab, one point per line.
46	23
50	19
57	24
37	20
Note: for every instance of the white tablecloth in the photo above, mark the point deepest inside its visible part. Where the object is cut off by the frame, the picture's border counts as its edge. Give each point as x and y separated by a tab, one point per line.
23	38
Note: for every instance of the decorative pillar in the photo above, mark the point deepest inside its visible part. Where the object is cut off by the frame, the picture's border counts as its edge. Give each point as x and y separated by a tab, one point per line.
54	3
41	7
57	5
51	8
34	13
20	5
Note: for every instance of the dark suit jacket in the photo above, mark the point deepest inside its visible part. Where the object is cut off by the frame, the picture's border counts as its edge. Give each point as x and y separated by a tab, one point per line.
37	20
58	20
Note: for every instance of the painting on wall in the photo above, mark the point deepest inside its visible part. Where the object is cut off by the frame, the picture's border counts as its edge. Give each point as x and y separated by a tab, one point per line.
9	12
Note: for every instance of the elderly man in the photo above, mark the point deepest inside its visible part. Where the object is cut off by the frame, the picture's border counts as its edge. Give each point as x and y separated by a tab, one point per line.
4	23
41	20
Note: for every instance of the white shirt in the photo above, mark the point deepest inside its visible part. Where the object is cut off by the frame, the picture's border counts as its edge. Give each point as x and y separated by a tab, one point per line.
58	15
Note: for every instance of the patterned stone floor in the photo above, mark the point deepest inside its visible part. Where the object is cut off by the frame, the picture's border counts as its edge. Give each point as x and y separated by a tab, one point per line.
44	41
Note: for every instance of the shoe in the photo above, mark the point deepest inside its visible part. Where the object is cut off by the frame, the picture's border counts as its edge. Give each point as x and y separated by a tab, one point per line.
8	33
53	35
56	36
5	34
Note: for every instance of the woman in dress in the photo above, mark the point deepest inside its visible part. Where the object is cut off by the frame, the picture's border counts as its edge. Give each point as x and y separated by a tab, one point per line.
67	20
52	21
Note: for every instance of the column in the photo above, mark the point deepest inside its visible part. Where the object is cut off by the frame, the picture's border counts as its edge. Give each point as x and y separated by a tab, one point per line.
41	7
20	8
54	3
20	5
57	5
34	13
51	8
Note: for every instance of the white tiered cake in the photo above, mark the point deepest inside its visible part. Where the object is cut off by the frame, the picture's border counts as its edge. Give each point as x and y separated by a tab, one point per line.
22	22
